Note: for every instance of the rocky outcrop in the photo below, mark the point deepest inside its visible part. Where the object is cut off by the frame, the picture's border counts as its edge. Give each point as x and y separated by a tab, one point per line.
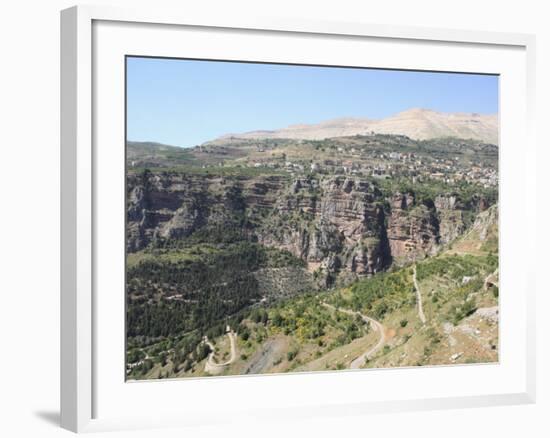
335	224
486	223
174	206
413	229
343	227
450	216
419	228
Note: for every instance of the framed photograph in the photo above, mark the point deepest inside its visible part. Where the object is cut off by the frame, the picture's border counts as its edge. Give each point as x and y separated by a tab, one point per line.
327	217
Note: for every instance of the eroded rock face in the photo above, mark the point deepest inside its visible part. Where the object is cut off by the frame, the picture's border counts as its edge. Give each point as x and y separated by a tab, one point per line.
413	229
419	228
342	227
174	206
336	224
354	207
486	223
451	218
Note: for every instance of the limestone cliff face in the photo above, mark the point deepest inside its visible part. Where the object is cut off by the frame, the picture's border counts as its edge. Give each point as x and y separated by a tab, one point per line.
486	223
419	228
174	206
336	225
343	227
451	218
413	229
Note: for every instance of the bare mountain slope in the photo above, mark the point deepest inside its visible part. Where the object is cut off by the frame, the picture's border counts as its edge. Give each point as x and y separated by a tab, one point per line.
420	124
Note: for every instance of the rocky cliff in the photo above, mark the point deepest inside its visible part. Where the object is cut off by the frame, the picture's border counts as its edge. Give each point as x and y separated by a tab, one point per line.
343	227
413	229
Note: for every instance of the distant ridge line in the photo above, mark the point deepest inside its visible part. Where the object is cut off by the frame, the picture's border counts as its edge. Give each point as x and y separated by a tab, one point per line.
416	123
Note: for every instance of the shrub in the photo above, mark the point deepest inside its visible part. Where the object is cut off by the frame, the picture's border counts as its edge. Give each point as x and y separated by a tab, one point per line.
458	313
381	309
162	359
201	352
291	355
244	333
277	319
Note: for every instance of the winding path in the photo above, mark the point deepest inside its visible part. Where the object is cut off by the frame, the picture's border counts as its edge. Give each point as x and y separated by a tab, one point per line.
211	365
418	298
376	326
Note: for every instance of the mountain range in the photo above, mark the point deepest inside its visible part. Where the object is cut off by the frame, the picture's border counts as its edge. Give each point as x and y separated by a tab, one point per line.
416	123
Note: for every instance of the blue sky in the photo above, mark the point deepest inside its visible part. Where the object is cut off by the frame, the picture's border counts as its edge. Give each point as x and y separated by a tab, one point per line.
185	102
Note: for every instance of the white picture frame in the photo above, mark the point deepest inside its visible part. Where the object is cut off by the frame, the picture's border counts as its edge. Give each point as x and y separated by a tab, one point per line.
85	30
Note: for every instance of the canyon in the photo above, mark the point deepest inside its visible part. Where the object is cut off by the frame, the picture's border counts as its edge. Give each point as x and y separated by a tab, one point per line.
341	226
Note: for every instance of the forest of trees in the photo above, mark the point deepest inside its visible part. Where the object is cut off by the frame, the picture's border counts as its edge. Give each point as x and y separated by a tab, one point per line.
210	287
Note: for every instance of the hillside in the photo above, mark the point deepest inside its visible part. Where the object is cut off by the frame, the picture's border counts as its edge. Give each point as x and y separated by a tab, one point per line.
151	154
418	124
206	251
374	322
261	255
380	155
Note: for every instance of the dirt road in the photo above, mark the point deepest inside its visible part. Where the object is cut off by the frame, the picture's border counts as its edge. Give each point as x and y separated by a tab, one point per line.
418	298
211	365
375	325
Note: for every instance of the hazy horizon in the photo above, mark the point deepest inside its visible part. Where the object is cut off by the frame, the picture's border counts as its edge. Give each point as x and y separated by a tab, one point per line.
186	102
